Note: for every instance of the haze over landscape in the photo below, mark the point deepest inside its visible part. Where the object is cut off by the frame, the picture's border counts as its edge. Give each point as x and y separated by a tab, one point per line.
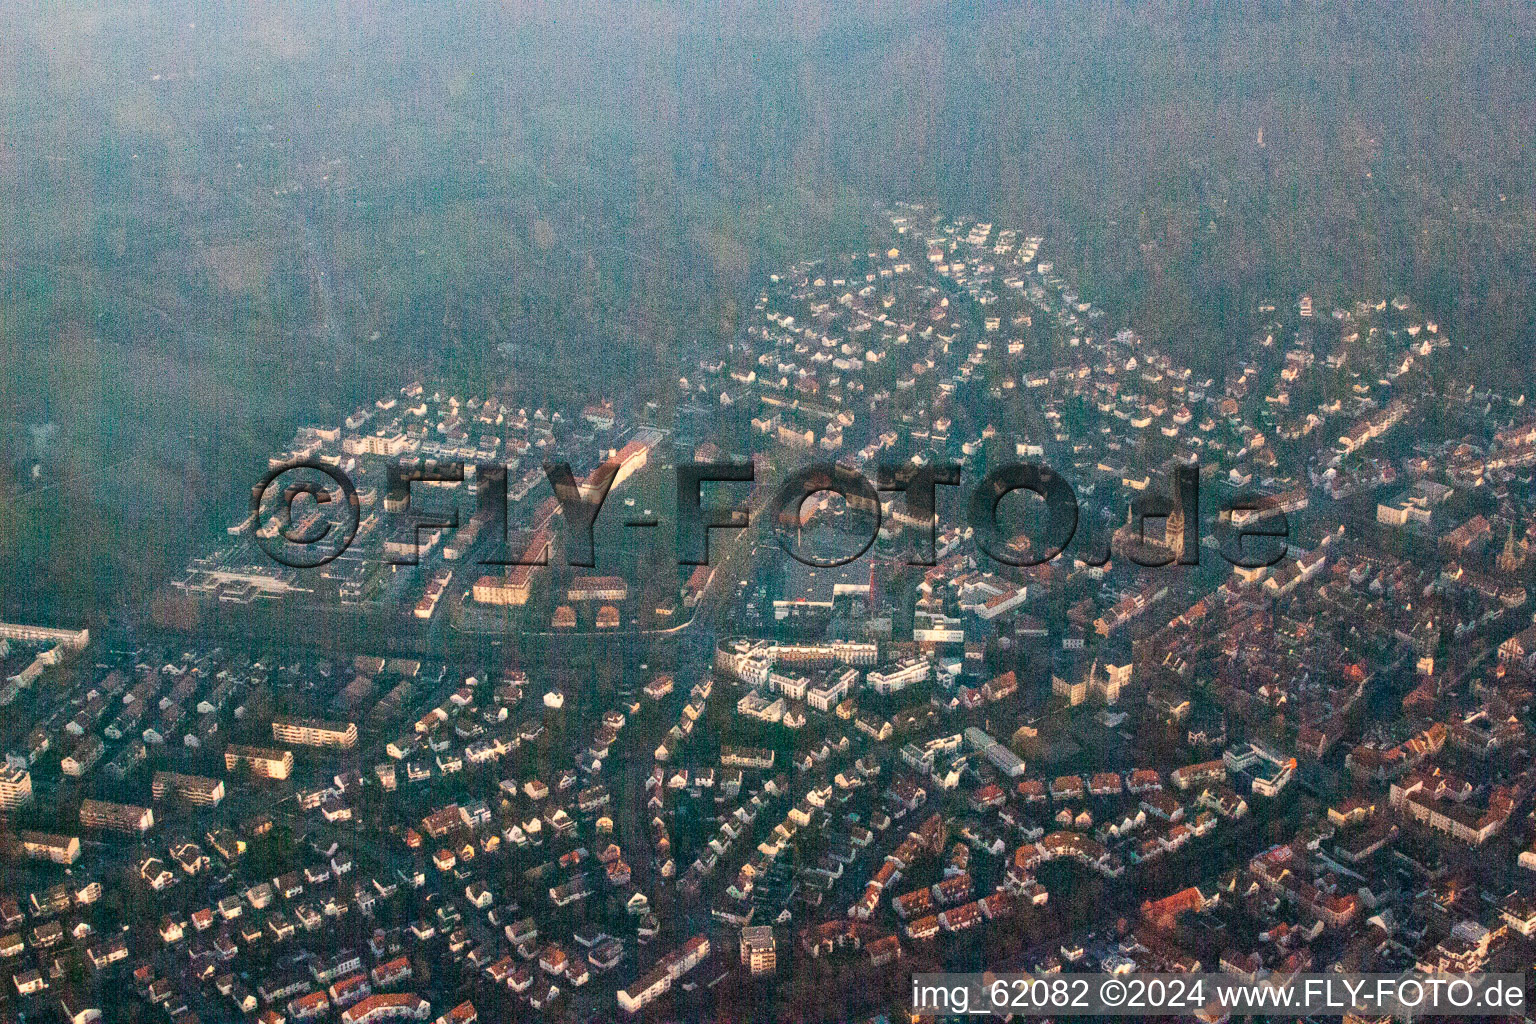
209	211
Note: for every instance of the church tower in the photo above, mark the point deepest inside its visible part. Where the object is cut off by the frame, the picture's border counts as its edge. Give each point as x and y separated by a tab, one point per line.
1173	533
1511	558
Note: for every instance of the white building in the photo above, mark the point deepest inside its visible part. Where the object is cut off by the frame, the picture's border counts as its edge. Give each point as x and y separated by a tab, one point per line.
895	678
755	705
15	787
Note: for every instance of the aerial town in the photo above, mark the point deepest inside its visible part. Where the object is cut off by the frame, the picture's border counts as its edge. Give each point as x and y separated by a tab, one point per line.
460	773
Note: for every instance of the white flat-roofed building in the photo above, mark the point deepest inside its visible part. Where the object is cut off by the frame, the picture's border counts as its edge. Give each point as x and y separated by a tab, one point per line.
751	662
660	978
114	817
15	787
50	847
196	789
755	705
832	690
897	677
263	762
314	732
758	949
790	685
